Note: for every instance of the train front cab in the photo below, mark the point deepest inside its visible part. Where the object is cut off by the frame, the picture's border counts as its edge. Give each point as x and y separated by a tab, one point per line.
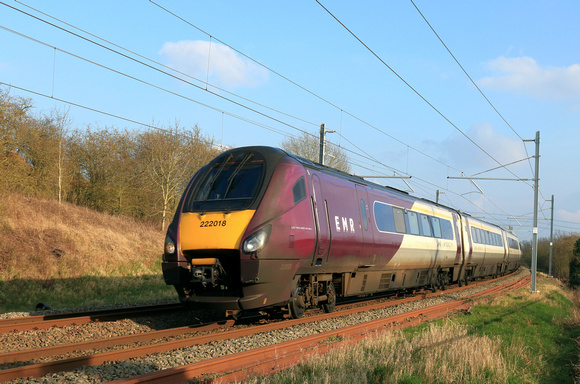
234	243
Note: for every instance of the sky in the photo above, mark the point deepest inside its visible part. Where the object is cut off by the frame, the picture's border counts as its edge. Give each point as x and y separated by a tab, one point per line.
430	90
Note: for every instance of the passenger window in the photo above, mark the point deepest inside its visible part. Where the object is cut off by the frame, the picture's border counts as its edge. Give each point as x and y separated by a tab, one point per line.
399	216
425	226
446	229
436	227
383	217
413	223
475	235
299	190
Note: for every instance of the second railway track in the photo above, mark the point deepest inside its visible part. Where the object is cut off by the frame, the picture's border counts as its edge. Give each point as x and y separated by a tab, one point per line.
83	317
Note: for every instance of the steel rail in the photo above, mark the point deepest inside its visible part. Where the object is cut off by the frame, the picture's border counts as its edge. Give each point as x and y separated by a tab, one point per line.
270	359
38	370
36	353
84	317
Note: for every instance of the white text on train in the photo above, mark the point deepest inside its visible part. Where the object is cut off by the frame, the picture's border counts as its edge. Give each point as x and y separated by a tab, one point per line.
345	224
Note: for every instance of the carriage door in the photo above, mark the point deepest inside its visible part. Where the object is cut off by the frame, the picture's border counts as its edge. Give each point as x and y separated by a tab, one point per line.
458	238
365	220
321	222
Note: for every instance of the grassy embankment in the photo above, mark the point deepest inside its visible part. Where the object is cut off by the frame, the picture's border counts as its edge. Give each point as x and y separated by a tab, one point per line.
67	257
519	338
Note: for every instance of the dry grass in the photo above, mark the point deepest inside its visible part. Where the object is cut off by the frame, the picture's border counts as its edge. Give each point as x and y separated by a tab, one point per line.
518	338
72	256
44	239
438	354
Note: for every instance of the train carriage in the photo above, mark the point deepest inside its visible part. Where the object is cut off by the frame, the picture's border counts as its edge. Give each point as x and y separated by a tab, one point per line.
259	228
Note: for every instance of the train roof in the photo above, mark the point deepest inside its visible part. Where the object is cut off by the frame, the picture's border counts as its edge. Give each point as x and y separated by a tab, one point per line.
274	154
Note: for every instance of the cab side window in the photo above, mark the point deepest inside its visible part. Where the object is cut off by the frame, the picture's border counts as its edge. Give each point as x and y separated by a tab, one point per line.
299	190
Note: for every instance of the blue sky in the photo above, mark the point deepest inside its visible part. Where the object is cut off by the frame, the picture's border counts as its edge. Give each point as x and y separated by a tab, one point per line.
279	68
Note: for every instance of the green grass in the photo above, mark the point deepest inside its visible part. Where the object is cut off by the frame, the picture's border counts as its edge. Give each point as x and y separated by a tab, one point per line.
519	338
23	295
541	324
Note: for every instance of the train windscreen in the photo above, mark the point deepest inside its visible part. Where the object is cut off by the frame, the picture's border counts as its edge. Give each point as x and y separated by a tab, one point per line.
231	183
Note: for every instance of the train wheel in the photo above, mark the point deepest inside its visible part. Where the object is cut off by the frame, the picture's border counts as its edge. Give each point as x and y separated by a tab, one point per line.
444	281
434	287
297	305
331	303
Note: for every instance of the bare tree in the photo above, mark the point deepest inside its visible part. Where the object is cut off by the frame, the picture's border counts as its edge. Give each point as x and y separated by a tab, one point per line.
168	159
14	117
308	146
61	120
104	172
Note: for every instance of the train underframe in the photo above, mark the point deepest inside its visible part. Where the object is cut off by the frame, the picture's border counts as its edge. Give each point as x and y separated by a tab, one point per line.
214	282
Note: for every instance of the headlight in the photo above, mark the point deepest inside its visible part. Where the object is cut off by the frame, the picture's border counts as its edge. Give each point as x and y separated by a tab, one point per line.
169	246
256	241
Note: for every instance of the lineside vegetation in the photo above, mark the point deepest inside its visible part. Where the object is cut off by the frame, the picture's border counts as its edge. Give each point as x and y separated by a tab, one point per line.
519	338
67	256
137	173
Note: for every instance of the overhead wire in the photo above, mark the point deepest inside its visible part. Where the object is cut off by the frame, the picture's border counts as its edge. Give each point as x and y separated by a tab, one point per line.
258	103
178	78
146	59
504	166
139	80
478	88
412	88
145	82
323	99
129	120
300	86
464	71
243	54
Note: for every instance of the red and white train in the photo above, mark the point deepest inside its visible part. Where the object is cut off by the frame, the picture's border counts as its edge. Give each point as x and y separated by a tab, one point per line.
260	228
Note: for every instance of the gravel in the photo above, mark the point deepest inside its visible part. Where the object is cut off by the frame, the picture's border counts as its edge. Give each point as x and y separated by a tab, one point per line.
121	369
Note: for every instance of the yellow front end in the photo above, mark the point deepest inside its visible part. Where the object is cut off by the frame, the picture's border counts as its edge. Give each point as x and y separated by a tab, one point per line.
200	231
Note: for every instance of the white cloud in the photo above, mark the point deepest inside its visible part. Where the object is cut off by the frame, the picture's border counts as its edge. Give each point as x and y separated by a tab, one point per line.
572	217
468	157
524	75
226	67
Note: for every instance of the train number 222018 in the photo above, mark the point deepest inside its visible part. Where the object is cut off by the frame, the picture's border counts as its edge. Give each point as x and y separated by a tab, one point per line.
212	223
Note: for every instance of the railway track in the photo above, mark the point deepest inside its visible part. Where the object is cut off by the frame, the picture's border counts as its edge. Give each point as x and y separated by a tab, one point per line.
84	317
271	359
141	344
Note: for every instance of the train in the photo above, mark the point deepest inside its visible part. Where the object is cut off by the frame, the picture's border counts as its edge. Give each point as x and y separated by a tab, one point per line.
261	229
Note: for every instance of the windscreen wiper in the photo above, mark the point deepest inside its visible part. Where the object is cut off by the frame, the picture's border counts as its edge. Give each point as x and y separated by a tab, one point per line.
214	178
235	172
